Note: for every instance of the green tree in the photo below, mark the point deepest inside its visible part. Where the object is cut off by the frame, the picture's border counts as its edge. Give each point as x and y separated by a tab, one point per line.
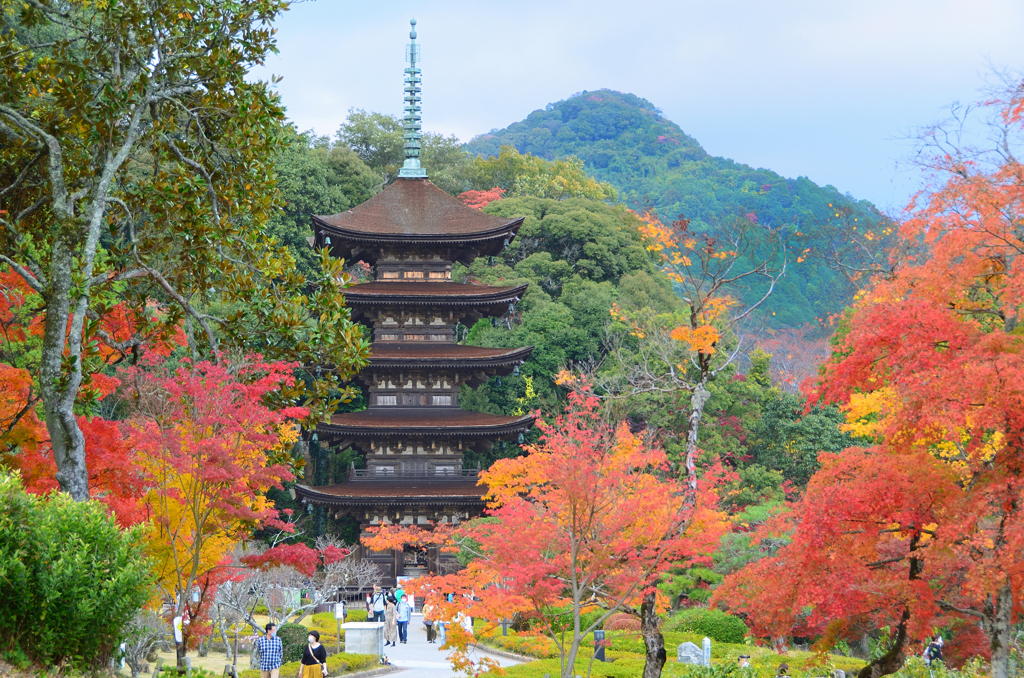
377	139
788	440
137	167
529	175
579	257
315	177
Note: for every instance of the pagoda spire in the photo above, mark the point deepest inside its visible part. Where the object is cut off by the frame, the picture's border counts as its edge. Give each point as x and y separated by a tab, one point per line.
411	122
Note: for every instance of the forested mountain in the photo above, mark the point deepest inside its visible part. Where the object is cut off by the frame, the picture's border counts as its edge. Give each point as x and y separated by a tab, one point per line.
652	162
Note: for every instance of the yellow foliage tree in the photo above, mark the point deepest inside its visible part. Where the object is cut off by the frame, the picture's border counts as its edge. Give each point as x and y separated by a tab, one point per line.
208	446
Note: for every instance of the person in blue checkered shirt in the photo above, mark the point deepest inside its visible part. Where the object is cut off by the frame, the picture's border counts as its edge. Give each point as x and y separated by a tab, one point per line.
271	653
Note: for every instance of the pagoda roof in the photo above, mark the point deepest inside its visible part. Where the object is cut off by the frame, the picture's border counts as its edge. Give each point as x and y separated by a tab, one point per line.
411	211
400	422
429	294
426	491
444	355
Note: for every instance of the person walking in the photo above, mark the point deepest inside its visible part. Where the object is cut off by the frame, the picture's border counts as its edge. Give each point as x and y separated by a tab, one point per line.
378	602
933	652
314	657
428	621
390	624
271	652
404	616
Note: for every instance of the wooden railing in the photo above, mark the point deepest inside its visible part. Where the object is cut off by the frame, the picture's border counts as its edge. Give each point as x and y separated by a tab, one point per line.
399	474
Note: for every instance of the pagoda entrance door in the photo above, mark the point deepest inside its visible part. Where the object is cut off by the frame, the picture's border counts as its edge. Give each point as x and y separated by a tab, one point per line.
414	562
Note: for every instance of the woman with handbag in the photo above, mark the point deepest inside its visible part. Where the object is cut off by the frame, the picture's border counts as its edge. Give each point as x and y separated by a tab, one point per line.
314	658
428	621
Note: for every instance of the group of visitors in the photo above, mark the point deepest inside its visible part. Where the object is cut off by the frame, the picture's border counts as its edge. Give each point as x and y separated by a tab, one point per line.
394	609
271	654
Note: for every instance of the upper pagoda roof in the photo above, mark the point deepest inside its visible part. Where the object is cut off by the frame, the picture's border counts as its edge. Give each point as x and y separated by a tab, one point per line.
426	492
445	355
409	211
430	293
401	422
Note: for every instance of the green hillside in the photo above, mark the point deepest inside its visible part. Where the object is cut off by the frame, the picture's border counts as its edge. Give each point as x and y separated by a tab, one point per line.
624	140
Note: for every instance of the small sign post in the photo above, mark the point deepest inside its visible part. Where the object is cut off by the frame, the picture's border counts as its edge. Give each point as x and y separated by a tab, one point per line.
339	615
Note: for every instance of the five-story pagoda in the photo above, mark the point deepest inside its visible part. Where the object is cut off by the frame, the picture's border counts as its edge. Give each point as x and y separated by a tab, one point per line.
413	432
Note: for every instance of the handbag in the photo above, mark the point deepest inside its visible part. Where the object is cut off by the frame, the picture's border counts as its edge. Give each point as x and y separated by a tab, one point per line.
323	666
428	622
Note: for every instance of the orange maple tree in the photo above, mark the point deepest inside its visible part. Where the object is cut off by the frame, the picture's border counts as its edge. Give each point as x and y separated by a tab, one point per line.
929	368
685	352
586	519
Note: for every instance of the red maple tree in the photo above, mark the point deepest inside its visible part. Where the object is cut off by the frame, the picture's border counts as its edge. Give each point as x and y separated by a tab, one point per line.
587	519
481	199
929	366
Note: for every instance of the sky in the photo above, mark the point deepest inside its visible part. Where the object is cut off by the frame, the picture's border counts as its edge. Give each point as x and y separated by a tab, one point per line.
830	90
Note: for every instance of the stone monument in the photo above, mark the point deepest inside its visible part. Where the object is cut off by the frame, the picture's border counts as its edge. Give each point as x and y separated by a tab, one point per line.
688	653
707	651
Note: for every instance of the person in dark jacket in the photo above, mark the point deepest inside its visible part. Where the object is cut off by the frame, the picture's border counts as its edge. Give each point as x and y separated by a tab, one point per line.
314	657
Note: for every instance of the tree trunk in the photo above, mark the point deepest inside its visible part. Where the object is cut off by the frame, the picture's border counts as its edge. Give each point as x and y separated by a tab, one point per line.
999	632
698	399
654	642
224	638
892	660
569	663
57	390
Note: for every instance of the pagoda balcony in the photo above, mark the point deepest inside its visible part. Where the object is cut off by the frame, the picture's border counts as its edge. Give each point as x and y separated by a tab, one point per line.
386	474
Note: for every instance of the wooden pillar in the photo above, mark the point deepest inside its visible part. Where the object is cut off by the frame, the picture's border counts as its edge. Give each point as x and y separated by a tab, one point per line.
399	563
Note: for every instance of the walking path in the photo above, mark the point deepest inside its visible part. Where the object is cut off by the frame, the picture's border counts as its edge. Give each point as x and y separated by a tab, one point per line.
420	659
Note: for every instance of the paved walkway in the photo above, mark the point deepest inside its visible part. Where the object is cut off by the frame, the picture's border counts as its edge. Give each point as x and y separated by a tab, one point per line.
420	659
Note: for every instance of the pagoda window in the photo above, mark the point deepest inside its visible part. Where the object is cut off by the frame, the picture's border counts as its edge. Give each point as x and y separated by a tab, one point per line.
438	337
440	275
444	400
415	337
389	274
387	400
389	337
414	274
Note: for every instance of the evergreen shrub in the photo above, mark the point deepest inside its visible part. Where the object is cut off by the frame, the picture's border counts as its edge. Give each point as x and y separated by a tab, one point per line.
70	579
293	640
715	624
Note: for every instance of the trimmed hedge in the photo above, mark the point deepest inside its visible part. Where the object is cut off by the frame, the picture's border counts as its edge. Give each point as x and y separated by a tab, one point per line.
715	624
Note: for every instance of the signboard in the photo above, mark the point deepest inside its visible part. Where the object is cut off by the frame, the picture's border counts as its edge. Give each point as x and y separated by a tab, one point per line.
176	625
339	610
